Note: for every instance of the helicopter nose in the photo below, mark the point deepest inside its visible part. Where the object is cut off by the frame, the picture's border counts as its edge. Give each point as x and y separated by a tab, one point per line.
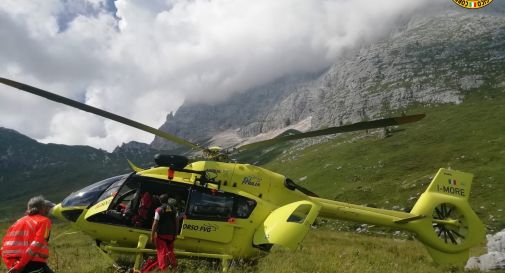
56	212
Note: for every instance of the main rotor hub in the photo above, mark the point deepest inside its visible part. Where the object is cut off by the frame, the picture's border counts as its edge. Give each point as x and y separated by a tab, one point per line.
216	153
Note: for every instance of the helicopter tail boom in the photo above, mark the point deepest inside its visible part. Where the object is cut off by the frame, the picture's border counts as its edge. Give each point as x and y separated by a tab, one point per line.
442	218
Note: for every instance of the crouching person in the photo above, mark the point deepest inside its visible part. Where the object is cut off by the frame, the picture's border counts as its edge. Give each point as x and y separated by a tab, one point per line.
25	245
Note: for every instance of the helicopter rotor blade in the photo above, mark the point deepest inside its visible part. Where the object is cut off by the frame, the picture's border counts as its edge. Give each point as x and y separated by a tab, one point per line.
293	134
97	111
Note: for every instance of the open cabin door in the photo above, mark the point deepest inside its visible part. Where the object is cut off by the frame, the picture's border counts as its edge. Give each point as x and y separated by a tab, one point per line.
287	225
133	202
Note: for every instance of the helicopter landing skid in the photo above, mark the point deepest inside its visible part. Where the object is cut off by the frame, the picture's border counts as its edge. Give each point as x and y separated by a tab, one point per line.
140	251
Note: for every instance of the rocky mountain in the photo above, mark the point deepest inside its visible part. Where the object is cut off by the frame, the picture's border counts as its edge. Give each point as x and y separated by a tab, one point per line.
434	57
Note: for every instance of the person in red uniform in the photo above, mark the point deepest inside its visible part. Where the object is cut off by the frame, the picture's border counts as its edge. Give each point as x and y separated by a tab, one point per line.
144	213
164	233
24	246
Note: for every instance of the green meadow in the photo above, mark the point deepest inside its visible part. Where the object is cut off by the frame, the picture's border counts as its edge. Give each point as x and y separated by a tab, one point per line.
324	250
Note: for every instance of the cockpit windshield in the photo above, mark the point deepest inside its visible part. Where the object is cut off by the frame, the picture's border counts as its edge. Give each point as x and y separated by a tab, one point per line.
88	195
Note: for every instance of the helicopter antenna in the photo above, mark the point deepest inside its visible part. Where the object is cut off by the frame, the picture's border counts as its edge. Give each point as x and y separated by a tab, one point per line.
99	112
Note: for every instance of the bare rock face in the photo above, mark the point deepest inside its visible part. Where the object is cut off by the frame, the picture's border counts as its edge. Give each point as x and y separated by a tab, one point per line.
428	60
432	60
494	259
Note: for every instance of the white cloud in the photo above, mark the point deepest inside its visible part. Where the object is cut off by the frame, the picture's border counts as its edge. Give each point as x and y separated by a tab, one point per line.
162	52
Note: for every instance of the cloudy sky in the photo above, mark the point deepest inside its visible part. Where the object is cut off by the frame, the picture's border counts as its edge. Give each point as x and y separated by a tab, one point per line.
142	59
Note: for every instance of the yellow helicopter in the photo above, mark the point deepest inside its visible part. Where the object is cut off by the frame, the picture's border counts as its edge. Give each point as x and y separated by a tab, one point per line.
234	210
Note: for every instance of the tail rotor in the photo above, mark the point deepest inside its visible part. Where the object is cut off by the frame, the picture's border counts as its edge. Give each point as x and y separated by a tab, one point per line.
449	224
455	227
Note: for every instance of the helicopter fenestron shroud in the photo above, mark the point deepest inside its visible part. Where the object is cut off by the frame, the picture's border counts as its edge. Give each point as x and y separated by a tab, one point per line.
380	123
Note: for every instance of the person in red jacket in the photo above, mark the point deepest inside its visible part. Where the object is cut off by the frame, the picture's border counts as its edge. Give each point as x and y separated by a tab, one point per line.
24	246
163	234
143	217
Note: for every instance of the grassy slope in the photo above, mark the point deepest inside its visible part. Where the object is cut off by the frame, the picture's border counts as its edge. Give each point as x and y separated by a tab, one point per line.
323	251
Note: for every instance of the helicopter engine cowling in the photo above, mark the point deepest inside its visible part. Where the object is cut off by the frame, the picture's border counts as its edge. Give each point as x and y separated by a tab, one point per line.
175	162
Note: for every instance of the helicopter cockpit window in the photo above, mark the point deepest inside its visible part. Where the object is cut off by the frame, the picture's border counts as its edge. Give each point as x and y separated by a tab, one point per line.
210	205
113	189
89	194
244	207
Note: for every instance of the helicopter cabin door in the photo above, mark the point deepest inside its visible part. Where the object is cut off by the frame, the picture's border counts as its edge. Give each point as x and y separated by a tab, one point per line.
208	215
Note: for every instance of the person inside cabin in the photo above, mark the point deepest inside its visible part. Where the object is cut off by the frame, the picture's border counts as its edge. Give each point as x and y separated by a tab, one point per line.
145	211
244	208
124	212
